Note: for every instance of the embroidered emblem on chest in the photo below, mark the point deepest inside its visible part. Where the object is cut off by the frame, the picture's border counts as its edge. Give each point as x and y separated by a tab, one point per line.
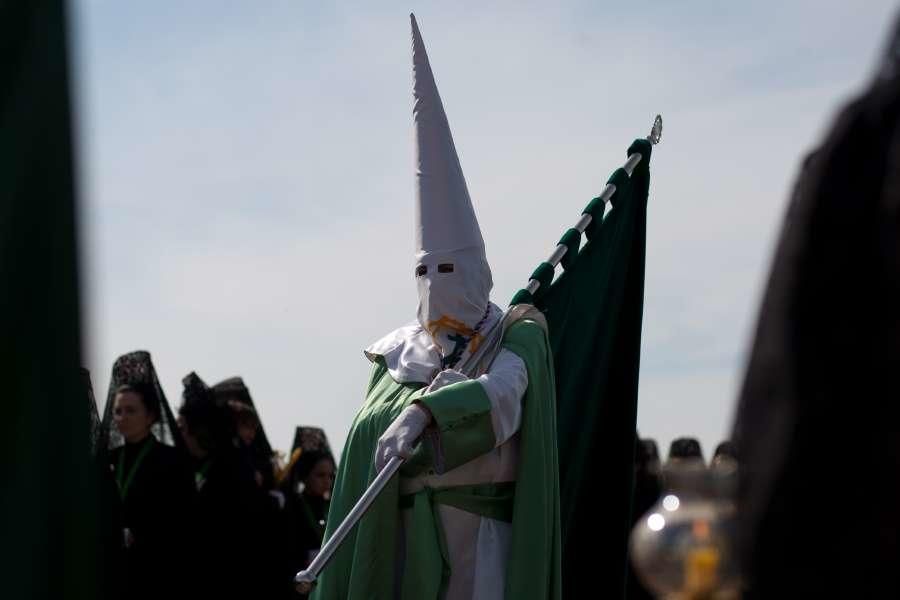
460	342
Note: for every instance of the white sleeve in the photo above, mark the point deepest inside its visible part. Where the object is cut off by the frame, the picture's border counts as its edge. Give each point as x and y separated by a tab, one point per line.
505	384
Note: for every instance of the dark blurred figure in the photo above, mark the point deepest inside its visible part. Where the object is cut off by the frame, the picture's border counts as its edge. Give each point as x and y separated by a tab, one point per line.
724	458
254	446
107	503
647	489
233	558
684	470
647	483
307	484
250	432
685	450
48	519
87	389
818	421
247	425
148	475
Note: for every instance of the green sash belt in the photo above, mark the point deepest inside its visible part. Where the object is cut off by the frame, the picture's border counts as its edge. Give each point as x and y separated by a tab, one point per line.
427	566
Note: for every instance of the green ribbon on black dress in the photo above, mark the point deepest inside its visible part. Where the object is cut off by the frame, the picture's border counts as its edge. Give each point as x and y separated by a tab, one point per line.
200	474
120	471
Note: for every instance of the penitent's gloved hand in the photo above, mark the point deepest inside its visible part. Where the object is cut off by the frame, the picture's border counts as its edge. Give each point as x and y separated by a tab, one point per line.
445	378
400	437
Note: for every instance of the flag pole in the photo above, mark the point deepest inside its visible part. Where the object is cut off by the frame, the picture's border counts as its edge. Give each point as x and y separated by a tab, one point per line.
306	579
605	195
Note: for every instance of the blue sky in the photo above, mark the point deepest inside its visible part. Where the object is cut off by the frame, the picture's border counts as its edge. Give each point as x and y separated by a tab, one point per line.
246	175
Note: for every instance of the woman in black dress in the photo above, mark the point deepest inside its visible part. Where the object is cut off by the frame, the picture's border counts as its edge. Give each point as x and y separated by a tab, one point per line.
251	436
307	488
147	475
233	559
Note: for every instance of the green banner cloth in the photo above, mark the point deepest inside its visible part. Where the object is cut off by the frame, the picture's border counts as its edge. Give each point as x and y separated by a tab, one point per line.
47	524
594	312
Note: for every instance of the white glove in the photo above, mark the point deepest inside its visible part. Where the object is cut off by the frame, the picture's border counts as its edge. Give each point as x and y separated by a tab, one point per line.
400	437
445	378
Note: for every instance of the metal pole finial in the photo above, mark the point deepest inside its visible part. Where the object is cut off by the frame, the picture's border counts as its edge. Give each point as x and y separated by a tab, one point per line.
656	131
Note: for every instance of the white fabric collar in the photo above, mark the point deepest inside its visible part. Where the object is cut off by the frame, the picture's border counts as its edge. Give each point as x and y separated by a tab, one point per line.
410	354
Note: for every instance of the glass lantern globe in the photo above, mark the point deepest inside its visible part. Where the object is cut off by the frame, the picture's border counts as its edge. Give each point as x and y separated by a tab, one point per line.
682	548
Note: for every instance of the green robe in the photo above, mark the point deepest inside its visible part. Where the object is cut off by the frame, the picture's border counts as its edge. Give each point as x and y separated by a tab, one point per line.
365	565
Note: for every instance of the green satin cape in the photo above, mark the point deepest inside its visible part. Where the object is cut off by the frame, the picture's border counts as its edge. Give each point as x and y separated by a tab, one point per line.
365	565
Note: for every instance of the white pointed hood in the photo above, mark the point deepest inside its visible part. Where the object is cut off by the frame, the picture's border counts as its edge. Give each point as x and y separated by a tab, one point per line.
447	231
445	219
452	273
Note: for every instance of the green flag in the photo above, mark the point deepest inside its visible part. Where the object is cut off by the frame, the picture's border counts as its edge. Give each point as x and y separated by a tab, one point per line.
46	507
594	311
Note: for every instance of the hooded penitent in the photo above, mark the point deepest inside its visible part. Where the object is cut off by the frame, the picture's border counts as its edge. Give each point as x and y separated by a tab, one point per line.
475	510
451	270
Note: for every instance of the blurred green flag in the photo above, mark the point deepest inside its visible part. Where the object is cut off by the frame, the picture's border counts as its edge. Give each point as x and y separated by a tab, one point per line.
46	500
